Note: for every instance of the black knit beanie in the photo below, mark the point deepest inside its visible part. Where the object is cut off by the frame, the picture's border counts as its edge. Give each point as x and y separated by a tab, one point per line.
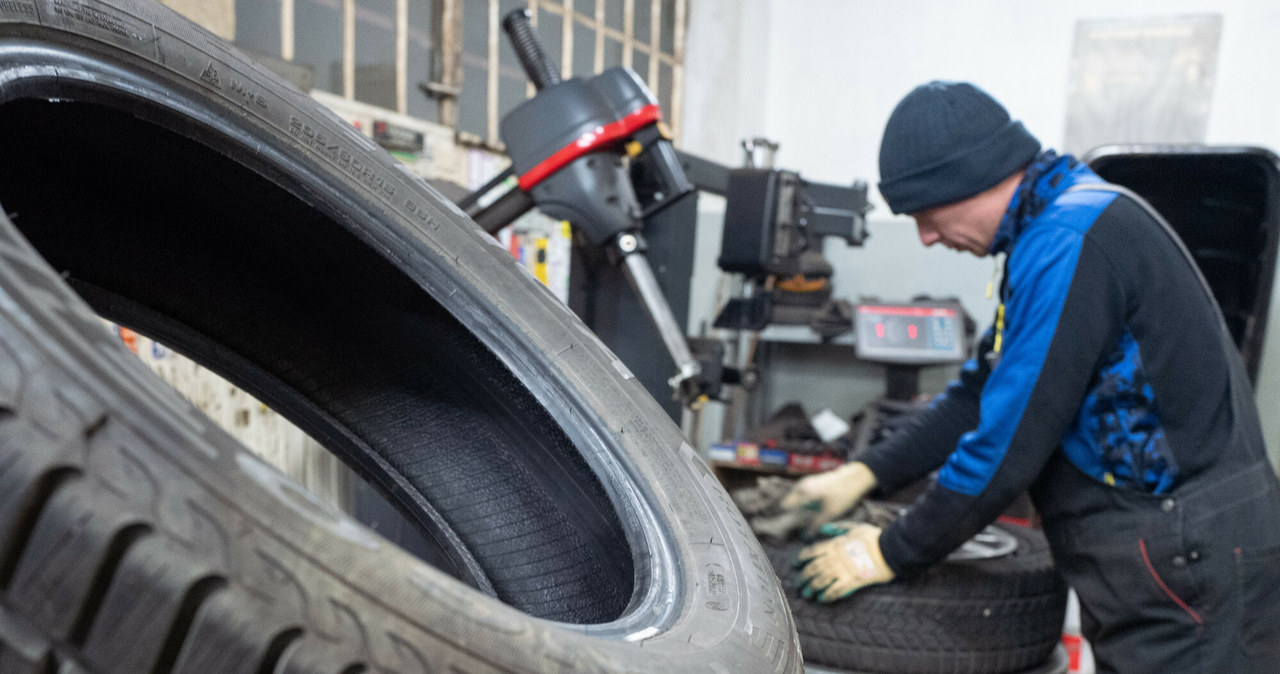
947	141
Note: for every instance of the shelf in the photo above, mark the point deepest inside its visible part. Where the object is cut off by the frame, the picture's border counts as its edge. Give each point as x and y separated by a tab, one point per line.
764	468
802	334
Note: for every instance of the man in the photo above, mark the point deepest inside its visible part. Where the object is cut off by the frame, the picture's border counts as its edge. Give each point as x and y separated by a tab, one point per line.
1108	386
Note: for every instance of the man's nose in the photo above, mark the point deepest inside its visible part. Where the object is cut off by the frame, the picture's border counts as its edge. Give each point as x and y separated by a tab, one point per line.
928	236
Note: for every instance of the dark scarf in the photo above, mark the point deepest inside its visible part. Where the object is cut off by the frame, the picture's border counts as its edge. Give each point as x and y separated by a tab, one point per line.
1045	179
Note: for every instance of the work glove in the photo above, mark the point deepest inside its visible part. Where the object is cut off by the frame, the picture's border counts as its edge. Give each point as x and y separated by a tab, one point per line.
836	568
830	494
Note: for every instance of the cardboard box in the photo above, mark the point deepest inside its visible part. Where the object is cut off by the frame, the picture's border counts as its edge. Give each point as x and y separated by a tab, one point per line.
824	463
723	452
774	457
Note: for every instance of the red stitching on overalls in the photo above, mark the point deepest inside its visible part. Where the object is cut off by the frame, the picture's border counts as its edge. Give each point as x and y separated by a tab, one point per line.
1142	545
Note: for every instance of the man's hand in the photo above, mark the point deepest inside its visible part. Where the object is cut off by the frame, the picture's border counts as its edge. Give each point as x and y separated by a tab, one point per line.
830	494
836	568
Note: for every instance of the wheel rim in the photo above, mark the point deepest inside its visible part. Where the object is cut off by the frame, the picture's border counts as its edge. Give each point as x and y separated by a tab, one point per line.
990	543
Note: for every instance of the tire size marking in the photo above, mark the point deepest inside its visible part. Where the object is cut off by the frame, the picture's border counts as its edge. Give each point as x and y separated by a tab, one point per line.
421	213
253	98
355	167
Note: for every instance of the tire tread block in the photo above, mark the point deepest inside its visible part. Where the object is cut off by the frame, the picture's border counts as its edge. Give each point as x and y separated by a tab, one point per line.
146	612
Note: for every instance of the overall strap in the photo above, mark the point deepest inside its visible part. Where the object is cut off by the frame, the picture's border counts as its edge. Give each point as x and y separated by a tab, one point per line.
1242	402
1168	229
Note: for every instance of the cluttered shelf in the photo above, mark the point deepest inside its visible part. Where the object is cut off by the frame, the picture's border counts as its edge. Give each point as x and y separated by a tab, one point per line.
739	464
803	334
765	469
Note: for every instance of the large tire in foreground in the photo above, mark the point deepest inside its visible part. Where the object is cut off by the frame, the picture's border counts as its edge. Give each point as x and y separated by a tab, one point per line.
990	616
189	194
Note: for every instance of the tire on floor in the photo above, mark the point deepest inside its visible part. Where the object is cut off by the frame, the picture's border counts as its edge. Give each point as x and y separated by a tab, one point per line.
991	616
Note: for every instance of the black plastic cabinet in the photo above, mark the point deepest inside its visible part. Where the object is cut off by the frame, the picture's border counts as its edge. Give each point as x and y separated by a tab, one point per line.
1224	202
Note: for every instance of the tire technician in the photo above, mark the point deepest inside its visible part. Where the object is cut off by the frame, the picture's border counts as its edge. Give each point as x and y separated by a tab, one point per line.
1108	386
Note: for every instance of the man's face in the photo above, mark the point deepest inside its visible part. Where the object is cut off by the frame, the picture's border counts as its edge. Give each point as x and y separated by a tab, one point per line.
968	225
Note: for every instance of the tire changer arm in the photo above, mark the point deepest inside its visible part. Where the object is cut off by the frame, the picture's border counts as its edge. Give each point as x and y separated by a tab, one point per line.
567	146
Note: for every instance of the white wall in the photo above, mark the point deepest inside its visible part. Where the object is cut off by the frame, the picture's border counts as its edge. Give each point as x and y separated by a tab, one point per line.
834	69
822	76
726	64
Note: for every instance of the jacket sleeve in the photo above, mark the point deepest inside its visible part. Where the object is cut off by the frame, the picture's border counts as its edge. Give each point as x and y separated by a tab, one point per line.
1064	307
929	438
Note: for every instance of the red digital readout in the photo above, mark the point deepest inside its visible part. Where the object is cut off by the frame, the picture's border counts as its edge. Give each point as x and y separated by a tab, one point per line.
880	330
911	331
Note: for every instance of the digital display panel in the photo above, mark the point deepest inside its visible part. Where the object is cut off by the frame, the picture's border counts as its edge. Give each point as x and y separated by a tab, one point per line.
910	333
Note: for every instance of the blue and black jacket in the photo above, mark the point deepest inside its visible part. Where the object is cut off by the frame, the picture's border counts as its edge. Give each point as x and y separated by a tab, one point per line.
1106	349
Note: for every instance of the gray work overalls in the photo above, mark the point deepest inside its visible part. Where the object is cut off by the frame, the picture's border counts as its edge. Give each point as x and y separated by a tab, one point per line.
1185	582
1182	582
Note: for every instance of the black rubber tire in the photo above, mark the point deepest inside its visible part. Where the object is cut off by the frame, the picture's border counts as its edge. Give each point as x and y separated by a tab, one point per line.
981	617
190	194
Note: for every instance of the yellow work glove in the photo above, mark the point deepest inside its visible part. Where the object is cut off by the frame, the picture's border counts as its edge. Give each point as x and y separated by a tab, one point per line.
830	494
836	568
